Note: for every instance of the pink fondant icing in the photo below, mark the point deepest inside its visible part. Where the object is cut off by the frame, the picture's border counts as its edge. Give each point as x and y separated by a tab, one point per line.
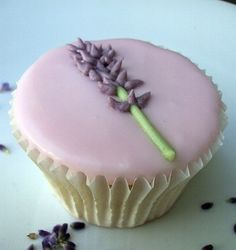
63	113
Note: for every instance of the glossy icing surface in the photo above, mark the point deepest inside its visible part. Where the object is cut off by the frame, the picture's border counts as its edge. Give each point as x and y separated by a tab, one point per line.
63	113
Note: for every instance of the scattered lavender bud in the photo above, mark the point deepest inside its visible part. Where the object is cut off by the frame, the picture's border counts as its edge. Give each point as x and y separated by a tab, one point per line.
43	233
121	106
234	228
81	44
4	149
232	200
56	229
94	51
101	67
208	247
31	247
111	64
88	46
116	67
132	98
5	87
77	225
94	76
84	67
108	89
32	236
105	60
122	77
132	84
87	58
143	99
207	205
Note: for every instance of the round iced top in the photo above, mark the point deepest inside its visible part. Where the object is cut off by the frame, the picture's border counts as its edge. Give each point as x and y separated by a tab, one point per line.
63	113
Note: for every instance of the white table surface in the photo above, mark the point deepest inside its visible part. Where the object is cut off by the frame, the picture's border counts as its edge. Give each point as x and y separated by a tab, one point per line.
204	31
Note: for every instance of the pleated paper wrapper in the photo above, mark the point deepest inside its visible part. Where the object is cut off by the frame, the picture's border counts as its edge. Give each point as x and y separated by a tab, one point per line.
119	204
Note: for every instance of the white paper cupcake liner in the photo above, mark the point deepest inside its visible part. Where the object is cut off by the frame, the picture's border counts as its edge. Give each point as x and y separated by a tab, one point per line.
118	204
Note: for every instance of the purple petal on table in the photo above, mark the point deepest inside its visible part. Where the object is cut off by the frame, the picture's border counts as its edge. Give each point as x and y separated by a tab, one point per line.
43	233
94	76
4	149
132	84
56	229
143	99
63	229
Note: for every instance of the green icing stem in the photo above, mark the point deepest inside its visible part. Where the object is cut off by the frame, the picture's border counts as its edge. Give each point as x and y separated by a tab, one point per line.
163	146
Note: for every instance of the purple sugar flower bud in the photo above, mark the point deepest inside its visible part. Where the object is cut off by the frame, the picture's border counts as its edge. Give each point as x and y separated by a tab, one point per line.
95	52
31	247
88	46
121	106
43	233
116	67
77	225
81	44
112	63
106	49
108	89
111	53
72	47
76	57
143	99
94	76
56	229
106	75
132	84
101	67
132	98
87	58
63	229
122	77
109	81
83	67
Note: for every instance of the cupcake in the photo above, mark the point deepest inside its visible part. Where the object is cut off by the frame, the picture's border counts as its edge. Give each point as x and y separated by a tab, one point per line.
118	127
